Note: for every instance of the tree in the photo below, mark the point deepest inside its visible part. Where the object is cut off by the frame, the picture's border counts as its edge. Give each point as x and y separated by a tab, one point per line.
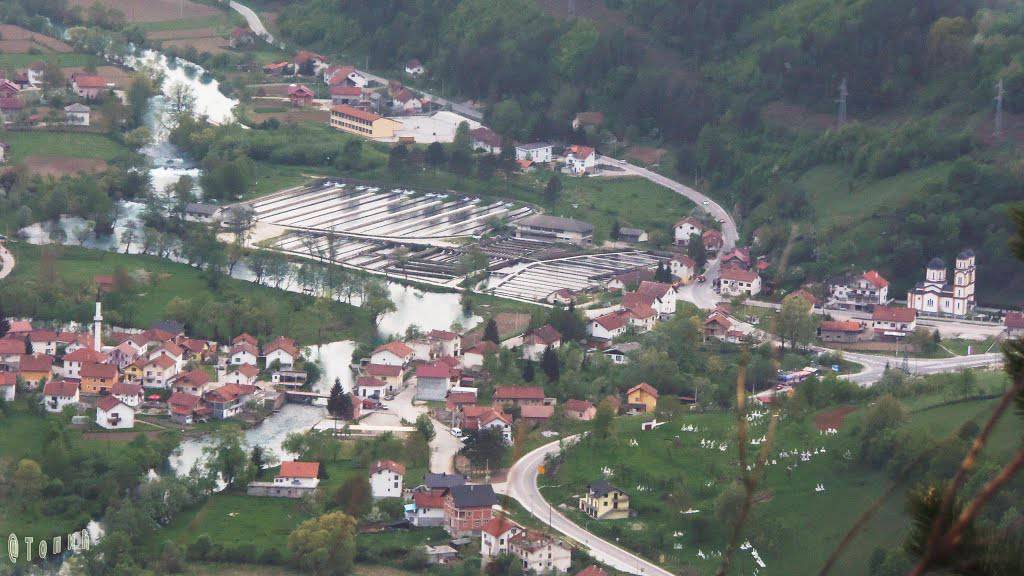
181	101
550	365
172	558
226	456
256	459
397	159
335	400
617	230
5	324
353	496
795	322
528	371
27	482
552	190
695	250
491	331
602	423
325	546
485	448
435	156
425	426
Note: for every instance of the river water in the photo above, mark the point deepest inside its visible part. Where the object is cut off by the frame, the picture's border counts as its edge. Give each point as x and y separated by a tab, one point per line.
427	310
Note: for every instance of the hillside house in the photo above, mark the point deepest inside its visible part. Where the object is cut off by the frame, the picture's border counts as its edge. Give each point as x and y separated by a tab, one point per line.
519	395
629	279
468	508
643	397
432	381
682	267
344	94
128	393
536	152
185	408
712	241
394	353
414	68
306	61
34	369
1013	322
242	375
658	295
282	350
295	479
686	229
8	386
98	378
444	343
486	140
88	86
228	400
619	353
58	394
474	357
861	292
580	160
158	372
244	353
893	322
717	325
632	235
74	361
406	101
609	326
43	342
193	382
11	350
477	418
604	502
427	509
77	114
536	341
299	95
540	553
391	374
580	410
495	536
113	414
735	281
386	479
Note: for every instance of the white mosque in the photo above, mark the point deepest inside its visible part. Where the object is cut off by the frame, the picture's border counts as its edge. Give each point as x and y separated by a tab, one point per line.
937	297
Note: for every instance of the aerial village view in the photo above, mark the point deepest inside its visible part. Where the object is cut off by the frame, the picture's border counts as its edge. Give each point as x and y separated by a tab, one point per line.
585	287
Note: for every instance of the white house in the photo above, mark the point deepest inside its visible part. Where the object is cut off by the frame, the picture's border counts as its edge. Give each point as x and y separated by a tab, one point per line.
686	228
682	267
421	349
172	351
128	393
893	322
59	393
76	114
540	553
370	387
610	325
393	353
43	342
242	374
474	357
8	385
735	281
444	343
36	73
580	160
537	341
158	372
495	420
658	295
535	152
282	350
74	361
113	414
407	101
427	509
294	473
495	536
386	479
414	67
862	292
244	353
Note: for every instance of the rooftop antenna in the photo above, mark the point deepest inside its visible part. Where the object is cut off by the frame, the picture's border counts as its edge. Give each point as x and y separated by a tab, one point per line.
843	93
1000	96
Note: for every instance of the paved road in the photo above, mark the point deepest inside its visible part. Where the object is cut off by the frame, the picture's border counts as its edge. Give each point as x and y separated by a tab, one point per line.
700	294
444	446
874	365
252	19
6	262
522	485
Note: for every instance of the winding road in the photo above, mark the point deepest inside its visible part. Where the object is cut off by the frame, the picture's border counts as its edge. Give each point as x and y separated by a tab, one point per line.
6	261
252	19
522	486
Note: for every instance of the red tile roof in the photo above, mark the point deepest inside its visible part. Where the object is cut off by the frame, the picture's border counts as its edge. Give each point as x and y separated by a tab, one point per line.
246	337
400	349
370	382
85	355
93	370
591	571
436	370
580	152
300	90
546	335
894	314
35	363
294	469
459	398
247	370
193	378
574	405
106	403
282	343
346	91
10	346
389	465
875	278
737	274
612	320
841	326
428	500
8	378
229	392
718	318
90	81
518	393
499	525
804	294
644	386
126	389
182	402
382	370
1014	320
536	411
162	361
356	113
62	388
442	335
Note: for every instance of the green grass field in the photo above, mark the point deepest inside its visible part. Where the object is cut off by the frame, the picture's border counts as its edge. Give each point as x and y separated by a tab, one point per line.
68	59
217	21
75	144
170	280
665	476
828	189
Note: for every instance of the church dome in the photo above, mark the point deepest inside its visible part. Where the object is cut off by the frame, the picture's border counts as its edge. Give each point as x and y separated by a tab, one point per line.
966	254
936	264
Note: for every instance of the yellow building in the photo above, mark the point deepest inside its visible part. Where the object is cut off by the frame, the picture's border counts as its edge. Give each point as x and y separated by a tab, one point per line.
133	371
605	502
642	394
98	378
355	121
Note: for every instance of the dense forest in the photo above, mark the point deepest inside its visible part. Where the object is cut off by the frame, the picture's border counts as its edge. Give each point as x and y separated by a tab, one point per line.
743	93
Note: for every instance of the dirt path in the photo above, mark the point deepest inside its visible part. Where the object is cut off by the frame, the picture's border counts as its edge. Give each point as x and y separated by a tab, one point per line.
6	261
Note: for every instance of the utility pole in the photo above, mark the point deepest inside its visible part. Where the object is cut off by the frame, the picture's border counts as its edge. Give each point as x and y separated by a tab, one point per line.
843	93
1000	95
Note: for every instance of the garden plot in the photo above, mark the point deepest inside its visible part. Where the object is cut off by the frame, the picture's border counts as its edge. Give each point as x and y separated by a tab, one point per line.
371	212
537	280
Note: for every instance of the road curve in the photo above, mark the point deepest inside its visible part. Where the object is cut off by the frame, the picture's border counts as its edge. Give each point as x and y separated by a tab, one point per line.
522	486
874	365
6	261
252	19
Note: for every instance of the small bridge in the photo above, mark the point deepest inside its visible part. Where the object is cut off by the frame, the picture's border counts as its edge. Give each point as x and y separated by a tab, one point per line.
302	397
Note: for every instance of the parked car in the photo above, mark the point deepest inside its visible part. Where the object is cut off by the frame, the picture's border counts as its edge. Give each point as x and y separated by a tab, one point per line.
457	432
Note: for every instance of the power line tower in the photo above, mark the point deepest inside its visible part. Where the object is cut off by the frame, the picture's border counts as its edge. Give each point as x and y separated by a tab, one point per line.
843	93
1000	96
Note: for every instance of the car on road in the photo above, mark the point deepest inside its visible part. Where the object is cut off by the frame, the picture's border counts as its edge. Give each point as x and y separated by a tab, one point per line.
706	202
457	432
389	397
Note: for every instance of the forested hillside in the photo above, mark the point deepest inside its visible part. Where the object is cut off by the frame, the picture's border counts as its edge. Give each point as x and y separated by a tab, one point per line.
743	93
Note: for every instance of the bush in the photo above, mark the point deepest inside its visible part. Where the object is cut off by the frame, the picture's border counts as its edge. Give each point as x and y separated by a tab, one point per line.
200	549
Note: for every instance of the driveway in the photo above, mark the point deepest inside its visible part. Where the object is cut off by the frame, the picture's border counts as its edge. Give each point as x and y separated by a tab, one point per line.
252	19
444	446
522	486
